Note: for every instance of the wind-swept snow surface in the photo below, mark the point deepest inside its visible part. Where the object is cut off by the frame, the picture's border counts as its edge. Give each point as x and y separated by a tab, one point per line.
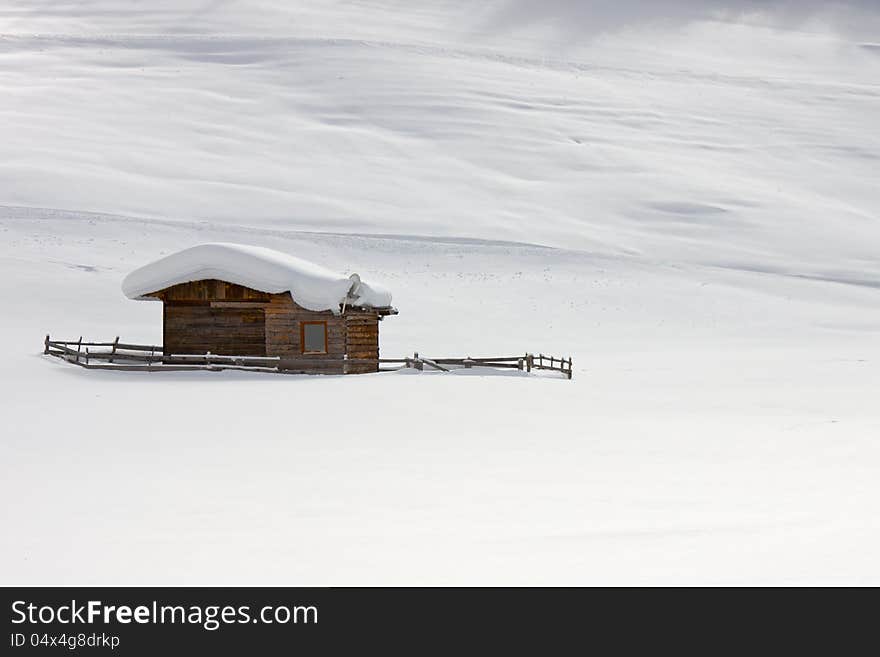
689	210
715	143
312	286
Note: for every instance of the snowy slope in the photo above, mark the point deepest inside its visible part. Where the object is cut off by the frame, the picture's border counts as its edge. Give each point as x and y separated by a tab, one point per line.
740	146
690	211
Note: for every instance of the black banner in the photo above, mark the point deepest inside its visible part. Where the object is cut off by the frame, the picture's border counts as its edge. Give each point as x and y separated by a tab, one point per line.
151	621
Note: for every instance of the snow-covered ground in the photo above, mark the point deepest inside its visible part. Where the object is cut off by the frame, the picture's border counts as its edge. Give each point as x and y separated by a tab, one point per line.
690	211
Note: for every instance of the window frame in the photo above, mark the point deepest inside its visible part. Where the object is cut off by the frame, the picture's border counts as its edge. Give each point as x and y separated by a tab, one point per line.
302	337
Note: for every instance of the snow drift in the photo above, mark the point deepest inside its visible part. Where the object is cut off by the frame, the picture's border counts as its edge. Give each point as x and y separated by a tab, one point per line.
312	286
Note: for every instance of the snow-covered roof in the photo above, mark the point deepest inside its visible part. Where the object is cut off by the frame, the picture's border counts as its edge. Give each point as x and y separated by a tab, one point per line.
312	286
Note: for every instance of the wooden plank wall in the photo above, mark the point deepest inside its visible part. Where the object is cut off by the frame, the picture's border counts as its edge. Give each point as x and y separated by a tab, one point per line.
197	329
283	317
215	316
211	290
362	340
230	319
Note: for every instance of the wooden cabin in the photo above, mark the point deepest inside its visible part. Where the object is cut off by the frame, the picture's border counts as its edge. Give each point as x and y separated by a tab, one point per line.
227	317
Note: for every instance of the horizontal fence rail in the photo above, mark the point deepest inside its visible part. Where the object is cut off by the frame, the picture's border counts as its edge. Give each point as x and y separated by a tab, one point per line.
118	355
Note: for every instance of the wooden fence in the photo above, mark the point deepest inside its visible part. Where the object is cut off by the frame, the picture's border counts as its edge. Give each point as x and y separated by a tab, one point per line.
527	362
118	355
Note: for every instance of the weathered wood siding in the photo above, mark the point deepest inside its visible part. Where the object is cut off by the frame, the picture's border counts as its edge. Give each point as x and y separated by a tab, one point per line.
215	316
229	319
197	329
283	324
362	340
211	290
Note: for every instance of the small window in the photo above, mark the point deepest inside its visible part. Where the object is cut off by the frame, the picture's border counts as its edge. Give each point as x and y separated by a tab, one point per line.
314	337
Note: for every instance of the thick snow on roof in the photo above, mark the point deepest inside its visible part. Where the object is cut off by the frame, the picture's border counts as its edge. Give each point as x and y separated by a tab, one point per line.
312	286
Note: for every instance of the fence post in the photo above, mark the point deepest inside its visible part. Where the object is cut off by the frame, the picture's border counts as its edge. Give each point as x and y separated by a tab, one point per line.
418	361
79	348
46	345
113	351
